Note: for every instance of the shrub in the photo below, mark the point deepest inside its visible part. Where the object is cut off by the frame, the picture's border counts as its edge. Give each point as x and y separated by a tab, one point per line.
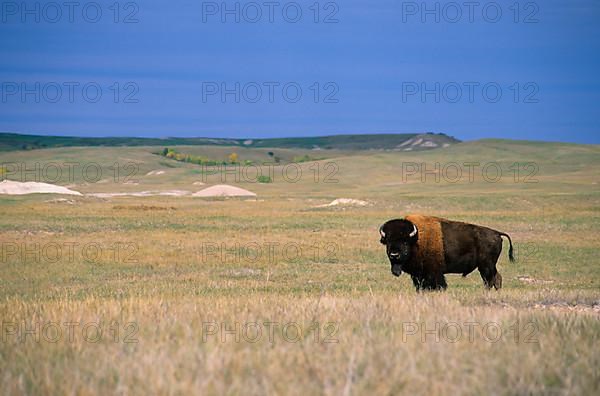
303	158
264	179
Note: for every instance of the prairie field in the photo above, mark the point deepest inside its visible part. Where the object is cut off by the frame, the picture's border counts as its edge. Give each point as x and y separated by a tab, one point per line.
286	294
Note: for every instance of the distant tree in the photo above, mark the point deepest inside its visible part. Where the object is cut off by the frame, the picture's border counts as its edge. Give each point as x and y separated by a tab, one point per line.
165	152
270	154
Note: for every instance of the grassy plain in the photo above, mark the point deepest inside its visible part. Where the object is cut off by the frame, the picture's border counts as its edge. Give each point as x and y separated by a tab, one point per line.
193	281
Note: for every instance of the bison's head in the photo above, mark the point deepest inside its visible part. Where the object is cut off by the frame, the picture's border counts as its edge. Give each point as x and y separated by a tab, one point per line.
399	237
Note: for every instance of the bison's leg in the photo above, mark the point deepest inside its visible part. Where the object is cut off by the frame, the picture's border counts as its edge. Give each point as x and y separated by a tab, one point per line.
487	260
418	282
441	282
498	281
489	276
435	282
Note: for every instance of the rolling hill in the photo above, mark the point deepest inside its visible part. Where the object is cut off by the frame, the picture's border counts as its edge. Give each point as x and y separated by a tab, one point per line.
404	142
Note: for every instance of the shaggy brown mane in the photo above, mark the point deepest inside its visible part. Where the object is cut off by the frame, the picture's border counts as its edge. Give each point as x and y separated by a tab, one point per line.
430	245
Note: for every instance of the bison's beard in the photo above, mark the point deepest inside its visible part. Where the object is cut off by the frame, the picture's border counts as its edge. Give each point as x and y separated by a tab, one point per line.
396	269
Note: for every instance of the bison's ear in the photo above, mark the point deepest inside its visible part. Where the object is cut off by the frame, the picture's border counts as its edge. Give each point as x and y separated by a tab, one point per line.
382	234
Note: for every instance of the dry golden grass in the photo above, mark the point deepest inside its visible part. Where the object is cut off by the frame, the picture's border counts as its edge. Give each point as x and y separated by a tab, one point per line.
380	343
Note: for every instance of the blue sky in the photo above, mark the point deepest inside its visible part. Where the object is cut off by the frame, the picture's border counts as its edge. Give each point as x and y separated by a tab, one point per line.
374	67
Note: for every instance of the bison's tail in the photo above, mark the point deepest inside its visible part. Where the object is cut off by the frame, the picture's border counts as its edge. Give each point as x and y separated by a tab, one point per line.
510	250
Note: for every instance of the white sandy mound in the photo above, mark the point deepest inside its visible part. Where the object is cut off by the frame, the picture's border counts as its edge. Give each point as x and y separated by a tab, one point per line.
223	190
346	202
530	280
155	173
198	183
61	200
10	187
168	193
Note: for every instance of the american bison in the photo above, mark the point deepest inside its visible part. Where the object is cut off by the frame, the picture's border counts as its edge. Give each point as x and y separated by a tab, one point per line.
428	247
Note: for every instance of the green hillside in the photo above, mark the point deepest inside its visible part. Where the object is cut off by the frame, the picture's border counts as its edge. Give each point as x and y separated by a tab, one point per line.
527	168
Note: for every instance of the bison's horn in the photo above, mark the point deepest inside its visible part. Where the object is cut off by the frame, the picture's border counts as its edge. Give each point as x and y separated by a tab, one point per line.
414	232
381	232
